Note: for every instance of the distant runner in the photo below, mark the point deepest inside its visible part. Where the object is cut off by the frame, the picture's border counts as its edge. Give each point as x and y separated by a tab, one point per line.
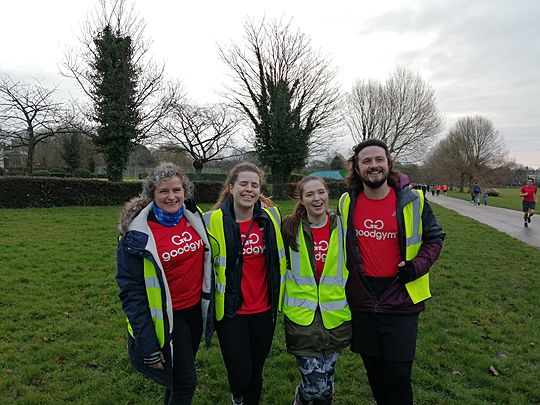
528	193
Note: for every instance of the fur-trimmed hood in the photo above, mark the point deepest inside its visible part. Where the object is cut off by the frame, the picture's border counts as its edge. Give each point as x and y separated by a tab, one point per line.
131	209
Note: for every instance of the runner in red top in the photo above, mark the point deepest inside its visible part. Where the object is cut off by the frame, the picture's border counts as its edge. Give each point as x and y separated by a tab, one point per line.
528	192
254	281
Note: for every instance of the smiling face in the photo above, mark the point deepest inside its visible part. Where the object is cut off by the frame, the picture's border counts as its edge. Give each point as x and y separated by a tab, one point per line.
315	198
169	195
246	190
372	166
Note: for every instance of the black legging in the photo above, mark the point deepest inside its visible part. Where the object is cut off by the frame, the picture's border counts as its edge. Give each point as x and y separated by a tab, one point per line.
187	332
245	342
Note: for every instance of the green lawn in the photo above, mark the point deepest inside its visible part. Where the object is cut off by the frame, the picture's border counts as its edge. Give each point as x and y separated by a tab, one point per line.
62	332
509	198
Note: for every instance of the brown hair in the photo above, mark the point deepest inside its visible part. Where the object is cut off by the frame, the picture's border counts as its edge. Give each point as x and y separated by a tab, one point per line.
231	179
293	221
354	180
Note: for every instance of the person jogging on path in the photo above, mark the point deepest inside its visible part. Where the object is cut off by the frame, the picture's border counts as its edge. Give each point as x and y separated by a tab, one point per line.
393	239
476	190
528	192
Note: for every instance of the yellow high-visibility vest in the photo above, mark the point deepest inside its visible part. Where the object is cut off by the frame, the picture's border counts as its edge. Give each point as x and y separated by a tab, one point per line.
214	223
153	293
417	289
302	296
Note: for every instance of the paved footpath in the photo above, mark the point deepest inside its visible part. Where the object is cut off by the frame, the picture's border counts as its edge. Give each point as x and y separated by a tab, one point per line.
502	219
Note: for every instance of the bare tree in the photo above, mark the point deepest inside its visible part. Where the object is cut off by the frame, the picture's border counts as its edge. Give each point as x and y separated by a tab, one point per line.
153	95
287	92
472	150
29	114
202	132
402	112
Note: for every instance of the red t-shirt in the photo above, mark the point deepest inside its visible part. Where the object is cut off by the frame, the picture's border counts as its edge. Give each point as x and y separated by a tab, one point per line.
376	228
321	237
181	251
531	193
254	281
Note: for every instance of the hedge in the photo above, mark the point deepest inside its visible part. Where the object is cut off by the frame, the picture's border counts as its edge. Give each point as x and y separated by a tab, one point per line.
26	192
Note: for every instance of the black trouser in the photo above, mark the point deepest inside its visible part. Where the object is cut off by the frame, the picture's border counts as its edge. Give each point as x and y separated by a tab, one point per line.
390	380
187	332
387	344
245	342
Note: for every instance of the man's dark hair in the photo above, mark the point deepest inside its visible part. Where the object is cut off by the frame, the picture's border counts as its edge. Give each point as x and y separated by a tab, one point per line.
354	180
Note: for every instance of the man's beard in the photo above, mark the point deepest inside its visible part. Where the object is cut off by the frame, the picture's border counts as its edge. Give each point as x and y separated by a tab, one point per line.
374	184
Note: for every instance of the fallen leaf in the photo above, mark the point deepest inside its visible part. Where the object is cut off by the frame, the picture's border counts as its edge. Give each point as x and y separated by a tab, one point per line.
493	370
502	355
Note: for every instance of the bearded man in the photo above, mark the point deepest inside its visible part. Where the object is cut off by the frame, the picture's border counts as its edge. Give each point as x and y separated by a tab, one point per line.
393	239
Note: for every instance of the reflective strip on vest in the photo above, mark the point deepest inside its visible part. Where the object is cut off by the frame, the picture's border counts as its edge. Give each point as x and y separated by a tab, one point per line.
153	294
275	217
214	223
343	208
412	213
302	295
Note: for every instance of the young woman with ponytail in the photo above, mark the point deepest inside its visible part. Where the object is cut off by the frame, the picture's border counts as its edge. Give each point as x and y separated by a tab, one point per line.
317	316
247	274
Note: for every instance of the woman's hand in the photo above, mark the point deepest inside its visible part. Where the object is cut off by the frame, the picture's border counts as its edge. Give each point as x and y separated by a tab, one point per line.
155	360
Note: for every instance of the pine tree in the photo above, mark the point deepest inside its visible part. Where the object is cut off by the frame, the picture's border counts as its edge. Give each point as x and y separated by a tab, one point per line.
115	88
71	151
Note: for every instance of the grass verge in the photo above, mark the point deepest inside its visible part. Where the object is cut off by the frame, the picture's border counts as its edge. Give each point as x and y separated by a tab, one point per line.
62	331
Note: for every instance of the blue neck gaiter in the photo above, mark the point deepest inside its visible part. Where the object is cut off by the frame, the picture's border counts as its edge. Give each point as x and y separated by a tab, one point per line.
166	219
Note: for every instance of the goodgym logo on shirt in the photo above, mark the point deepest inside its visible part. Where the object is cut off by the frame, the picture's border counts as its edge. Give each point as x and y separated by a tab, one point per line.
253	245
185	244
373	230
321	249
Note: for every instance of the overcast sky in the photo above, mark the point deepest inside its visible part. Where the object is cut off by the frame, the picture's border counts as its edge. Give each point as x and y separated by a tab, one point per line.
481	57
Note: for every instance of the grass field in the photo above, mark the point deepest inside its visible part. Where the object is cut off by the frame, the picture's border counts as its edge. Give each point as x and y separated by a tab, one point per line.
509	198
62	331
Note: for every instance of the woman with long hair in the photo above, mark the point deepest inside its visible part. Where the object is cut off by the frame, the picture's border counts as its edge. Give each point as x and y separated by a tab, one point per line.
164	271
317	316
247	274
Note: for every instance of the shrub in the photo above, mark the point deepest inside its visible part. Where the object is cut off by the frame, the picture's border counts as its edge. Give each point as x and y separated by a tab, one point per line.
142	175
221	177
16	171
25	192
58	172
82	173
283	191
41	173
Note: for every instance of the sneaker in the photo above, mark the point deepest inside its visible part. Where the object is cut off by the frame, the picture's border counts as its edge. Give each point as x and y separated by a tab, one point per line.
526	225
237	401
